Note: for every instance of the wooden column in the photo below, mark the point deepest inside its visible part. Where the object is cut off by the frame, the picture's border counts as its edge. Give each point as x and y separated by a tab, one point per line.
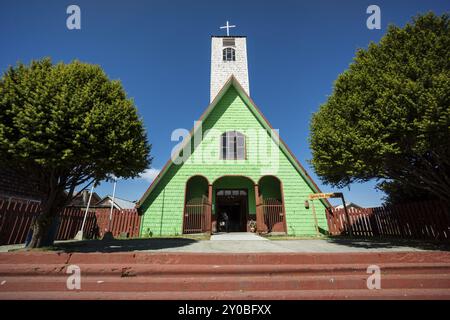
209	214
347	217
316	224
284	209
260	225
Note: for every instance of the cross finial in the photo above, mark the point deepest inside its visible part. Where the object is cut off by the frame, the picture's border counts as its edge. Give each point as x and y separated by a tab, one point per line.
228	26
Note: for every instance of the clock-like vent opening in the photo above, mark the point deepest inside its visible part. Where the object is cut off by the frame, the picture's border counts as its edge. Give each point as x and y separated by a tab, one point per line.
228	42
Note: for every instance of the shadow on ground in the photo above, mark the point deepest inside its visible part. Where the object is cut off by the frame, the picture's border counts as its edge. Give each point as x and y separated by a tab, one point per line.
125	245
389	243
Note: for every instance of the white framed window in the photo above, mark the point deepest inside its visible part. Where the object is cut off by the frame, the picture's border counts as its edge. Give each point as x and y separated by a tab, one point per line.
232	146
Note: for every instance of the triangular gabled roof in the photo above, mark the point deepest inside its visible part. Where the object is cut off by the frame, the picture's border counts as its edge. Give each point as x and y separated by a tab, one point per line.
118	202
232	81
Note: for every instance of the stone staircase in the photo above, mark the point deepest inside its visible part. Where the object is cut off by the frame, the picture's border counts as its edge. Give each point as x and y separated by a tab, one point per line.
404	275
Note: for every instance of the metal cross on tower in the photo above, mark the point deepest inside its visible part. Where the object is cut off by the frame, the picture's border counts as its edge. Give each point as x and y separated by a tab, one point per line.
228	26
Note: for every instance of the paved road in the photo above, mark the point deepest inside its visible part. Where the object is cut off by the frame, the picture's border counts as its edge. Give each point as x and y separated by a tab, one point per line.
241	243
237	236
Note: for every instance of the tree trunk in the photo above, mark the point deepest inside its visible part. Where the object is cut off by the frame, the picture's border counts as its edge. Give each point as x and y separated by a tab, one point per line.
42	226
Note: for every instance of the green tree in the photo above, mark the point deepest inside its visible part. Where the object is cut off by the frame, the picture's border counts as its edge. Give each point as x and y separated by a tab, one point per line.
66	126
388	117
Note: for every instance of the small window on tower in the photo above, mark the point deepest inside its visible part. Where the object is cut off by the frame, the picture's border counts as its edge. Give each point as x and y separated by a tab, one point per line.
229	54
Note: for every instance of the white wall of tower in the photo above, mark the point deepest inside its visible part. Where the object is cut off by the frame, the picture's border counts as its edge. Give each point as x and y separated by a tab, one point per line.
222	70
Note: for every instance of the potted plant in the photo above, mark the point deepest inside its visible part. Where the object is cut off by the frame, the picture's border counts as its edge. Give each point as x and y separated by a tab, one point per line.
252	225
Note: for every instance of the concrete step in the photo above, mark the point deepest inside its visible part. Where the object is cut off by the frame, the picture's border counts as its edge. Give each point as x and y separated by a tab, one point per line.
398	294
224	283
404	275
201	270
225	258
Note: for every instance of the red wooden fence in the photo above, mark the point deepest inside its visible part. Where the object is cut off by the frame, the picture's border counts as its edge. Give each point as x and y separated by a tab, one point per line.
17	217
426	220
127	220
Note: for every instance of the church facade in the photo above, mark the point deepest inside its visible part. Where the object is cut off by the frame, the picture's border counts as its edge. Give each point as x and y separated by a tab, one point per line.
233	173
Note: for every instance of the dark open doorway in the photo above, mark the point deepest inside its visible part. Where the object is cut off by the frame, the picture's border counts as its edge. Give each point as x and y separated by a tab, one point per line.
233	203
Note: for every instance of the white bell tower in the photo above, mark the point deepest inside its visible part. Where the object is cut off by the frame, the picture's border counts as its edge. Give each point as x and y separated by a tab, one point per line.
228	57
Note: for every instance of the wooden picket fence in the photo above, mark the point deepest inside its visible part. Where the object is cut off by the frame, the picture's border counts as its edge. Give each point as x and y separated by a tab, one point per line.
16	219
425	220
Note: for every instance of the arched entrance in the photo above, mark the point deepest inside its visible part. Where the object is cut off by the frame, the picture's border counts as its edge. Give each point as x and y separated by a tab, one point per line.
233	203
197	206
270	206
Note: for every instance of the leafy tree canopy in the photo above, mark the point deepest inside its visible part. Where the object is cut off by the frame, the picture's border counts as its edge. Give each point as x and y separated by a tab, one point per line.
67	125
388	117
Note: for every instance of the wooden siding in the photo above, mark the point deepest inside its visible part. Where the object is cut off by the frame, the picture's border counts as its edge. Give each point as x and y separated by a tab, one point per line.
163	208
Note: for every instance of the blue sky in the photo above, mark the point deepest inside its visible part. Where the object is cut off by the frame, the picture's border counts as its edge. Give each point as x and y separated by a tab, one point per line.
160	50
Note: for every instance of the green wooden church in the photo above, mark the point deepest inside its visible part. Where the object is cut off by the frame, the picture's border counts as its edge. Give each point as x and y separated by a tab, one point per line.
233	173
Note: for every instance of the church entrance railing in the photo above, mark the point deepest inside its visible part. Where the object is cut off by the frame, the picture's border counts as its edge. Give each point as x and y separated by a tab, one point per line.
270	211
274	217
197	216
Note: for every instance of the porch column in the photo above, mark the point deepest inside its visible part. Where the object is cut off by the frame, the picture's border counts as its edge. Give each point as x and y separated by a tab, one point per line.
209	211
260	225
